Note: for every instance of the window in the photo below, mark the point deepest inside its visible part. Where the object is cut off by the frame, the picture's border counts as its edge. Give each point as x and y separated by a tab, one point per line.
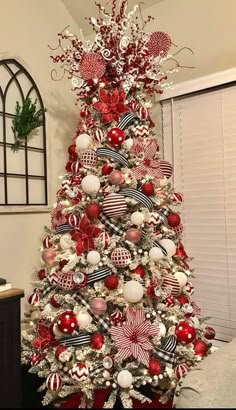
199	133
23	175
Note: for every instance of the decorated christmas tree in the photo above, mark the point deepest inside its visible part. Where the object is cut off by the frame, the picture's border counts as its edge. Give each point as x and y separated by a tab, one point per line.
112	316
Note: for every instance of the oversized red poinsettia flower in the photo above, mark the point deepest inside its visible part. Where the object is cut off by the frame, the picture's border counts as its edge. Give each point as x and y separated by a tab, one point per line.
45	337
57	217
131	338
84	235
111	105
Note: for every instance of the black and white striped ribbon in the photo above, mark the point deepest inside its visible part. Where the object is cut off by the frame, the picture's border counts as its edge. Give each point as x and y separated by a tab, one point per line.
138	196
99	274
157	244
103	321
169	344
113	228
64	228
167	350
108	152
94	372
127	119
78	340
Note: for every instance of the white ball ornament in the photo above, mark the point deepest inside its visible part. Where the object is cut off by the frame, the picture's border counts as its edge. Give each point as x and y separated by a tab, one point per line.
58	334
137	218
169	245
124	379
128	143
93	257
181	278
90	184
83	142
66	241
155	254
84	319
132	291
162	329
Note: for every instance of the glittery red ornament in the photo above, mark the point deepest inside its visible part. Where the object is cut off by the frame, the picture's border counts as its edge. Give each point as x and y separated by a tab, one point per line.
41	274
115	137
133	235
76	180
107	169
209	333
72	149
93	210
97	341
200	347
139	270
148	189
54	303
158	44
173	219
92	66
169	301
34	359
68	166
73	157
59	350
111	282
67	322
154	367
116	177
185	332
182	299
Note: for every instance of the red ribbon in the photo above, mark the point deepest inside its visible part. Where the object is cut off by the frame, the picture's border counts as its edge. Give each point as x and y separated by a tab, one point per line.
148	165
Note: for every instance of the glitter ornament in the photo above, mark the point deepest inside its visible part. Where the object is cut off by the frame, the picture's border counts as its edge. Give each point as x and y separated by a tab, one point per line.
72	149
98	306
53	382
148	189
115	137
97	341
90	184
111	282
79	372
106	169
173	219
34	359
67	322
132	291
88	158
124	379
116	177
185	332
200	347
92	66
114	205
209	333
139	270
154	367
158	44
121	257
107	362
41	274
48	256
137	218
155	254
84	319
92	210
133	235
83	142
169	245
93	257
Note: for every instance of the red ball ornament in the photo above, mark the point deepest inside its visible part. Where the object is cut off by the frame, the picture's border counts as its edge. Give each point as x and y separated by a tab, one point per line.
185	332
54	303
133	235
116	177
48	256
173	219
209	333
97	341
68	166
107	169
182	299
76	180
115	137
34	359
139	270
154	367
75	166
41	274
200	347
111	282
59	350
73	157
54	382
33	298
98	306
169	301
148	189
67	322
93	210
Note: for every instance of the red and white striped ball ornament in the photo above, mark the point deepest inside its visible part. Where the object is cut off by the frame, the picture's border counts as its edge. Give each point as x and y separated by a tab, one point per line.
116	317
54	382
121	257
166	168
33	298
181	370
79	372
105	238
114	205
134	105
65	280
75	167
98	135
47	242
158	44
84	113
88	158
73	220
171	283
143	113
177	198
67	322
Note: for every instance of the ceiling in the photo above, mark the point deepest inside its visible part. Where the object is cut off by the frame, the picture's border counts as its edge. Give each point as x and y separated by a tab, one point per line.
80	9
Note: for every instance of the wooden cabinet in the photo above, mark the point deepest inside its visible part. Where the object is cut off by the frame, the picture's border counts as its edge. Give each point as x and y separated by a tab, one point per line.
10	348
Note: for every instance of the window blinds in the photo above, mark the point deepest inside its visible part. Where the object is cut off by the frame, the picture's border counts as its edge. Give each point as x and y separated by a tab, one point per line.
199	135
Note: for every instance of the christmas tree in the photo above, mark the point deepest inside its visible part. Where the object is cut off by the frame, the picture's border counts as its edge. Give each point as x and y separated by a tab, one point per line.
111	314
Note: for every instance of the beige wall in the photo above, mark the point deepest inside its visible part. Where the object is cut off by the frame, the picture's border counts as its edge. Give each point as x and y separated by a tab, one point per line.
26	29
